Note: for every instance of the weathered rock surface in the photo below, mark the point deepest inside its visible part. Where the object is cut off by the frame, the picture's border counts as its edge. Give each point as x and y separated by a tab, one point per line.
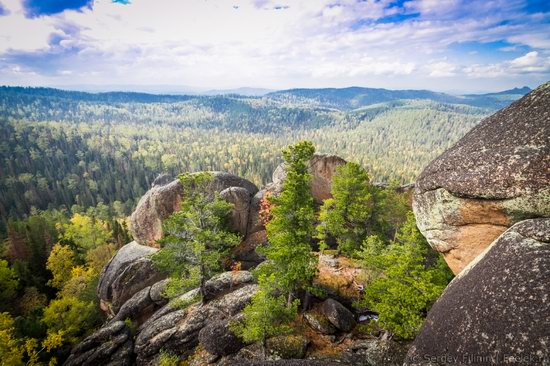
497	306
110	345
246	252
225	282
240	198
319	322
322	168
128	272
254	223
162	200
288	346
496	175
177	330
217	339
375	352
338	315
155	206
162	179
142	304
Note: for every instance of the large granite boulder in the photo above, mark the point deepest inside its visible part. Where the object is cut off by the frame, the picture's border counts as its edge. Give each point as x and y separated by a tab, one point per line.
110	345
163	199
322	168
496	175
128	272
498	308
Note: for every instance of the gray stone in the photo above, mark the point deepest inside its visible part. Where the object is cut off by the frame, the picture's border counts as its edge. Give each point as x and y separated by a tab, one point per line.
338	315
133	278
498	305
225	282
110	274
156	205
319	322
217	339
288	346
254	223
109	344
162	180
240	198
495	176
177	330
161	201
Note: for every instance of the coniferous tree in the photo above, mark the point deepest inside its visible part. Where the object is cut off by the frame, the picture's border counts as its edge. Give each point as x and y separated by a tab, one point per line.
290	229
196	237
267	314
345	216
407	277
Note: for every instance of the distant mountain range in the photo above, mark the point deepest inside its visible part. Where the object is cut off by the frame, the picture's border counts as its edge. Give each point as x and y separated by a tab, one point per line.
334	98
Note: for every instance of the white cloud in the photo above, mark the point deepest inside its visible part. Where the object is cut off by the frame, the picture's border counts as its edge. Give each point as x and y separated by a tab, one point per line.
271	43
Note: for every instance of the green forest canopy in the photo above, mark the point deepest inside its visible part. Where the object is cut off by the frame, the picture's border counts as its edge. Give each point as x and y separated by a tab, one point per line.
62	148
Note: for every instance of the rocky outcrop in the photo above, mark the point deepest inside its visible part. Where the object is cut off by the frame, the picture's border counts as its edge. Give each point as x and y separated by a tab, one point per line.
498	307
163	199
127	273
338	315
321	167
154	207
218	339
288	346
240	198
245	253
177	329
225	282
111	345
496	175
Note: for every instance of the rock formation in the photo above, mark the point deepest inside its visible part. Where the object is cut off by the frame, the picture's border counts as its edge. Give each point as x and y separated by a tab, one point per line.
497	310
321	167
496	175
128	272
163	199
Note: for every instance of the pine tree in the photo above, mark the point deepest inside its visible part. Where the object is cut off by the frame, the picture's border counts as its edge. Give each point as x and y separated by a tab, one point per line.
267	314
345	216
290	229
407	278
196	237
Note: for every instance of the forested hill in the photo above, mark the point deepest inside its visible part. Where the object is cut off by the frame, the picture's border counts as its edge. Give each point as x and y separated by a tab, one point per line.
356	97
64	148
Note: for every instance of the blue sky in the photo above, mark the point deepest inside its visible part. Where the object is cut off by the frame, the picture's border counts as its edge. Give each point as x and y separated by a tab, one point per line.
448	45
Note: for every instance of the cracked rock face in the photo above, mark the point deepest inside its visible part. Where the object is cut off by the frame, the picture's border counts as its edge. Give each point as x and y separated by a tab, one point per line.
497	306
165	198
496	175
127	273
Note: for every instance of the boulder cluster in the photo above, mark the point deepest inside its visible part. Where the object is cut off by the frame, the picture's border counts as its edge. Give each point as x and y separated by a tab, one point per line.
143	323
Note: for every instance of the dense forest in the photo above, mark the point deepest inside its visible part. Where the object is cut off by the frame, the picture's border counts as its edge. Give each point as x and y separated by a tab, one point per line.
72	150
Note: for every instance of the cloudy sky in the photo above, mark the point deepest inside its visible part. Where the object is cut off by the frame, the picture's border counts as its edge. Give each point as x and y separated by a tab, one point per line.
449	45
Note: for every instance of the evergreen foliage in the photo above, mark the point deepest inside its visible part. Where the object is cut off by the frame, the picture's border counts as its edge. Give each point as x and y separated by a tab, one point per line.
290	229
267	314
407	277
196	237
346	215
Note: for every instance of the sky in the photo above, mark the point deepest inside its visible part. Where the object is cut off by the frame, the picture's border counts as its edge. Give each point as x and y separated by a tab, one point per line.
446	45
